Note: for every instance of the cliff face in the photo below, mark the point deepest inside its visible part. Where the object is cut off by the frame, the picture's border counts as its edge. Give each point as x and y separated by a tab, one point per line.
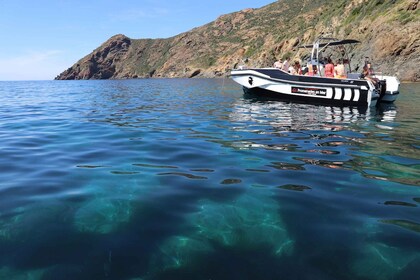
388	29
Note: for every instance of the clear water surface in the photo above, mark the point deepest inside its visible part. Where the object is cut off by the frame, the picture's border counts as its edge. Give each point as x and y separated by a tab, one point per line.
190	179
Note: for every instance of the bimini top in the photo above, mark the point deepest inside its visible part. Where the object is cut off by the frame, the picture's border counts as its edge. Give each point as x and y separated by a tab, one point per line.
333	42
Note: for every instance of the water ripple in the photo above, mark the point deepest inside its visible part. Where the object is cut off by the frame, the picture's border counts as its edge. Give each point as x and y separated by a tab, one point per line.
174	178
189	176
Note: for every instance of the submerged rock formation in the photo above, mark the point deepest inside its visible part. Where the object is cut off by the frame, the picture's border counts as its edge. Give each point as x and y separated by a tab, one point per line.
388	29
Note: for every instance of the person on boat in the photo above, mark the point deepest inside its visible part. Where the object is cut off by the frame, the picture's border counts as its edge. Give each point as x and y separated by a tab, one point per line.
278	64
340	70
286	65
292	70
370	69
329	69
367	74
315	70
310	70
304	70
297	68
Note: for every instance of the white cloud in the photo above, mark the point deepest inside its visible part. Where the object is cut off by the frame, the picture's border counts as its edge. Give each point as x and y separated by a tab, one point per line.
43	65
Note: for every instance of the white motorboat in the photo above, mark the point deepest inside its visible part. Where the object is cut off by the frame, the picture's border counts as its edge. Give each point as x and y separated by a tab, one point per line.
350	91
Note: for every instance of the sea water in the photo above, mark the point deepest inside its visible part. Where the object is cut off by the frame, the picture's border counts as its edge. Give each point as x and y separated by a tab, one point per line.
192	179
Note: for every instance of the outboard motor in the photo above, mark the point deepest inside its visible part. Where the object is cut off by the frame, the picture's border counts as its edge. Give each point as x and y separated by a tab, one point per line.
381	86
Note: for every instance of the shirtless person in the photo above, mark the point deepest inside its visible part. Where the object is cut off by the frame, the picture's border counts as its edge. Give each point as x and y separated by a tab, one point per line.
367	74
278	64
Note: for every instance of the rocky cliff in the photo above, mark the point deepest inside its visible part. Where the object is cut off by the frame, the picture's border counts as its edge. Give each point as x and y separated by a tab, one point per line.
388	29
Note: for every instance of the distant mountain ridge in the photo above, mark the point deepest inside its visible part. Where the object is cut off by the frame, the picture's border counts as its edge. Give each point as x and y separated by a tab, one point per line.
388	29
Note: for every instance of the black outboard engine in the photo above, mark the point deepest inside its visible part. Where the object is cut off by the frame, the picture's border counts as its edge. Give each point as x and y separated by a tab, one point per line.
381	86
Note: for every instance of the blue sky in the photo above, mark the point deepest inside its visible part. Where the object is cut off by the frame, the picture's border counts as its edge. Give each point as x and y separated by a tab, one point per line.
42	38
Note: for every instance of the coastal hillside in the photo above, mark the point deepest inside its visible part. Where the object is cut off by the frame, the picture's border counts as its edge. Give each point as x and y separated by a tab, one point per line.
389	31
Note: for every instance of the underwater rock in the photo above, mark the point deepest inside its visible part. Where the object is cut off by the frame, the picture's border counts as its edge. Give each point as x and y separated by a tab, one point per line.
249	222
9	273
64	272
180	251
10	228
26	222
102	215
382	262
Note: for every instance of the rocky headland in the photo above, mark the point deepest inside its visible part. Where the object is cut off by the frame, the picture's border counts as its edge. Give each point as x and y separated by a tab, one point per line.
389	31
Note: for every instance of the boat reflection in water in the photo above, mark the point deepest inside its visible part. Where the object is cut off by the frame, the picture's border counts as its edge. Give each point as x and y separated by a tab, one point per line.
386	112
300	123
286	116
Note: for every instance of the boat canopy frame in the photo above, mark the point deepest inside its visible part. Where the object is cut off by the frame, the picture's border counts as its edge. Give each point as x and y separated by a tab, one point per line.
323	42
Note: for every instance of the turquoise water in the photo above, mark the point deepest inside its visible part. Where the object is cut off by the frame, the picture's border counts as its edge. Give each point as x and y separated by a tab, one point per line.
190	179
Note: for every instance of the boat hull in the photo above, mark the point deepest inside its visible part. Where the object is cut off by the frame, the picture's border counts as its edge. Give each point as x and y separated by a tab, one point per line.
314	90
304	99
390	96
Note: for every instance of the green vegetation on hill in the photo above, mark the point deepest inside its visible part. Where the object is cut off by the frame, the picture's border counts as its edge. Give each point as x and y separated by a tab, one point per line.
388	29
